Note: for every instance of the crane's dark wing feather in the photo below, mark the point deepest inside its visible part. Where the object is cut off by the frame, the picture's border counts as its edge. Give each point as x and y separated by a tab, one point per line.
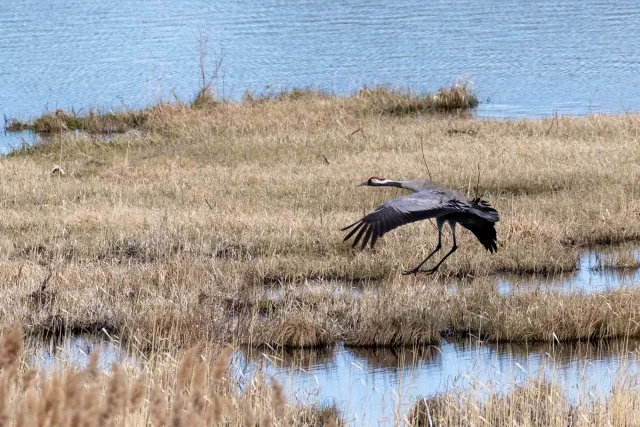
401	211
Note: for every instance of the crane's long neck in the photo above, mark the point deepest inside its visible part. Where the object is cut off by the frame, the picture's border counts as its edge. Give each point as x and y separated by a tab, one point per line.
391	183
385	183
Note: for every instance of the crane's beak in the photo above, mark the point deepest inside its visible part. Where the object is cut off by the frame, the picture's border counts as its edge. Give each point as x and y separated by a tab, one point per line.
363	184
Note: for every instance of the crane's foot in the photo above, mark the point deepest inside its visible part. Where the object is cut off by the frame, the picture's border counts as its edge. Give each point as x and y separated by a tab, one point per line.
430	271
415	271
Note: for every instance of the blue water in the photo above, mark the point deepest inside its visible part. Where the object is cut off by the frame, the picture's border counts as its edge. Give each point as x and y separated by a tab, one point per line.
372	386
525	58
76	350
589	277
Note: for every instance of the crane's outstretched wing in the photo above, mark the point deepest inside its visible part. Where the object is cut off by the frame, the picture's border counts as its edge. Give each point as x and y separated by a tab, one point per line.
401	211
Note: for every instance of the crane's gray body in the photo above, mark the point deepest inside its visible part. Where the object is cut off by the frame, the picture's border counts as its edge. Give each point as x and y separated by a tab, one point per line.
428	200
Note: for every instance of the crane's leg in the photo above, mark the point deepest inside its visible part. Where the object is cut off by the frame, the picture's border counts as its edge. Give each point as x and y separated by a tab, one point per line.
453	249
416	270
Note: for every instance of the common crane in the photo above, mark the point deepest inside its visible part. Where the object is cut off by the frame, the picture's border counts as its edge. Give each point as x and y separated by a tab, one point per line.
429	200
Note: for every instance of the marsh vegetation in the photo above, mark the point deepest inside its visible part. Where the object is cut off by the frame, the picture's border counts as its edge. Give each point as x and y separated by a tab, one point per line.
458	98
185	228
181	234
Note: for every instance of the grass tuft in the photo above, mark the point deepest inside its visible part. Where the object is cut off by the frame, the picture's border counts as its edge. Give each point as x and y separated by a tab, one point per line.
98	121
385	100
94	122
204	99
537	402
380	100
15	125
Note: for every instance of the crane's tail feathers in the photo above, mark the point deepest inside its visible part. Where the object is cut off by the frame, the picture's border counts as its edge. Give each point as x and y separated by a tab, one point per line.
483	209
486	234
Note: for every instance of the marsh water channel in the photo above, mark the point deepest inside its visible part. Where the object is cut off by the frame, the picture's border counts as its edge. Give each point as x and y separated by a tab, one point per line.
371	386
527	59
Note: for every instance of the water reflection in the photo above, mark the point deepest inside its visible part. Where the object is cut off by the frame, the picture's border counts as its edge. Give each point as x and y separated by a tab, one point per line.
304	359
371	385
592	275
393	359
50	353
10	141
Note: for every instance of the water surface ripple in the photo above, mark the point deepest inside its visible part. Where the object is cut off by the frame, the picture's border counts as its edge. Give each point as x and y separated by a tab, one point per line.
526	58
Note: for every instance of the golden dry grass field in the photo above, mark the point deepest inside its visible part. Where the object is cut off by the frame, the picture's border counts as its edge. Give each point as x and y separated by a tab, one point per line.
221	225
188	230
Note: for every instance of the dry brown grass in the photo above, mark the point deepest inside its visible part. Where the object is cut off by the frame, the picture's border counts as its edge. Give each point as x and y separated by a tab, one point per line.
545	316
385	100
381	100
94	122
180	233
98	121
623	259
198	391
537	403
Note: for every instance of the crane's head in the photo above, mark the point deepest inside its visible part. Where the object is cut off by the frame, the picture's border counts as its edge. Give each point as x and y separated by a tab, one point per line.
374	181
